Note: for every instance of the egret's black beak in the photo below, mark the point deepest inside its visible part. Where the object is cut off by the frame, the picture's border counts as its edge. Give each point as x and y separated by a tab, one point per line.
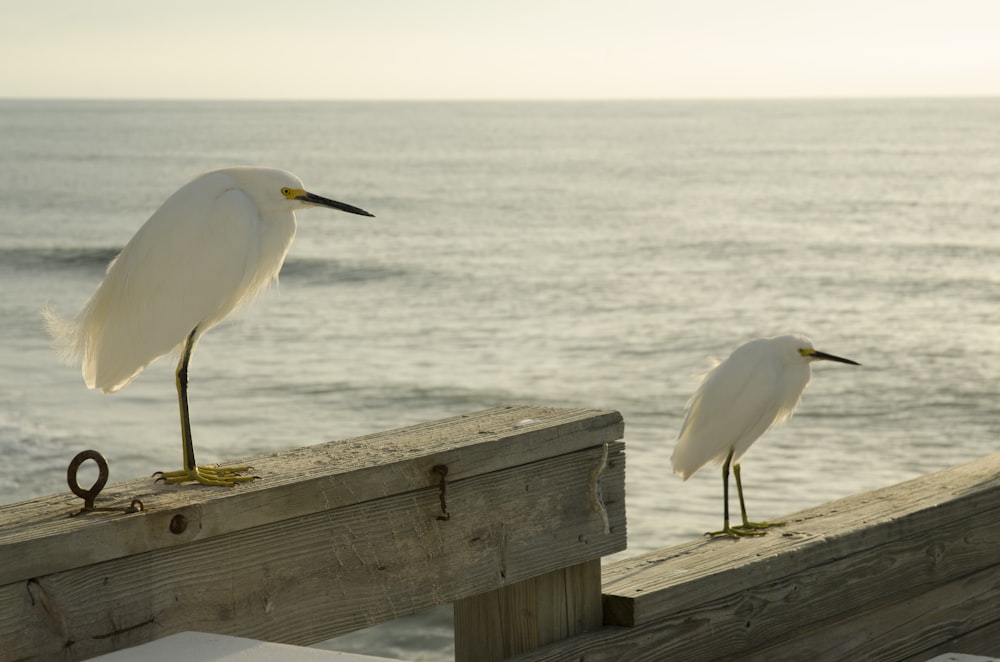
823	356
314	199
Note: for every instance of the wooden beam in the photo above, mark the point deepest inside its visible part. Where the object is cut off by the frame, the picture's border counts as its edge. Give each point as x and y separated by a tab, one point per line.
905	572
37	537
520	617
528	490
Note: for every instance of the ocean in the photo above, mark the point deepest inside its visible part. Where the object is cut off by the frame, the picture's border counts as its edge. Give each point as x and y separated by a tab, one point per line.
582	254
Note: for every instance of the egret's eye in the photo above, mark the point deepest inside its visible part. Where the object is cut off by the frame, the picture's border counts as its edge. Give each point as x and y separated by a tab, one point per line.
286	191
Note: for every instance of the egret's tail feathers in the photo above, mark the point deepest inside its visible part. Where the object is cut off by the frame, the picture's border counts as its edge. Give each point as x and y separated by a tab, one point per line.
77	344
681	463
65	333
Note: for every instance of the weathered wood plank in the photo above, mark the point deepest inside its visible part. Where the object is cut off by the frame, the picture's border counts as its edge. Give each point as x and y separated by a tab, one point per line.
520	617
37	537
314	576
916	627
925	516
902	572
970	625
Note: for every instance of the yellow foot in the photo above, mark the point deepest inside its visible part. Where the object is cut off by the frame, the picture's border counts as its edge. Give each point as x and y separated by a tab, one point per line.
736	532
756	528
207	474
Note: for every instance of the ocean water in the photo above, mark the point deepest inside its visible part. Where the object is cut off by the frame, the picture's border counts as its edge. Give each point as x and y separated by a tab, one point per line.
574	254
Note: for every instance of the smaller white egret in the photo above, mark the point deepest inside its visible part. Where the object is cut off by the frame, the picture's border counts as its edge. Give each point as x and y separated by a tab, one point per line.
211	247
740	399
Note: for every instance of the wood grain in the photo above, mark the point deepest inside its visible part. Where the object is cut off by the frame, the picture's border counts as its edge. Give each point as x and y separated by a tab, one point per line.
378	546
498	624
37	537
905	572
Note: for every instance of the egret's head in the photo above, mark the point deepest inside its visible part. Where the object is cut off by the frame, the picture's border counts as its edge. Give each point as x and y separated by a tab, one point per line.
805	350
277	189
307	199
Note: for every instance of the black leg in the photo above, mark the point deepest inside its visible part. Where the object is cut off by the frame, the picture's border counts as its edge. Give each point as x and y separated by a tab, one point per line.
210	474
749	528
182	399
725	491
739	490
726	529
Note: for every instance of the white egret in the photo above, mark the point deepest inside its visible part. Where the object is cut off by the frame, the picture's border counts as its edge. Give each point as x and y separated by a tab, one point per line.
739	400
211	247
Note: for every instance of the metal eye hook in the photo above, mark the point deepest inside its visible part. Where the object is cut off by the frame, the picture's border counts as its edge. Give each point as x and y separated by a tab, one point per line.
90	496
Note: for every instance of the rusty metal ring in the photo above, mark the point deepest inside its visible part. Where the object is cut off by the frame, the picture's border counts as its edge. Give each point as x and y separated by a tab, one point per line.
88	496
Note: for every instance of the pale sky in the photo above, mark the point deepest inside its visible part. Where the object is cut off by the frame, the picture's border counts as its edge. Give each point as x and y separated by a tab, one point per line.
515	49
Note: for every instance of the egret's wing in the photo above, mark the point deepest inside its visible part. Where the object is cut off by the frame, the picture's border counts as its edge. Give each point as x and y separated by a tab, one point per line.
736	403
185	268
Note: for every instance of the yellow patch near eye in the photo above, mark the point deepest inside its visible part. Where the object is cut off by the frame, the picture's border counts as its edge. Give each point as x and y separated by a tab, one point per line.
292	193
805	351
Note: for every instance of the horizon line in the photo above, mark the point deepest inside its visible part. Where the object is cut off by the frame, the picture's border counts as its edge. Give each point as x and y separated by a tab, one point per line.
888	97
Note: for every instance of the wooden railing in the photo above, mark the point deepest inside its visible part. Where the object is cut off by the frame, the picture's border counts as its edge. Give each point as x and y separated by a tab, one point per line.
490	511
907	572
506	513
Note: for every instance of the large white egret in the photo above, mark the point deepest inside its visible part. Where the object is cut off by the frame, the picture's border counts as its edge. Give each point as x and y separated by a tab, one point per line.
739	400
211	247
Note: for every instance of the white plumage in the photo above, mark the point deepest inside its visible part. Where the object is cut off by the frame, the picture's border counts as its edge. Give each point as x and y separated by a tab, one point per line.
741	398
212	246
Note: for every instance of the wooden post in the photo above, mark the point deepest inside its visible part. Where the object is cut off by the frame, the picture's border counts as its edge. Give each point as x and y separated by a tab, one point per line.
521	617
